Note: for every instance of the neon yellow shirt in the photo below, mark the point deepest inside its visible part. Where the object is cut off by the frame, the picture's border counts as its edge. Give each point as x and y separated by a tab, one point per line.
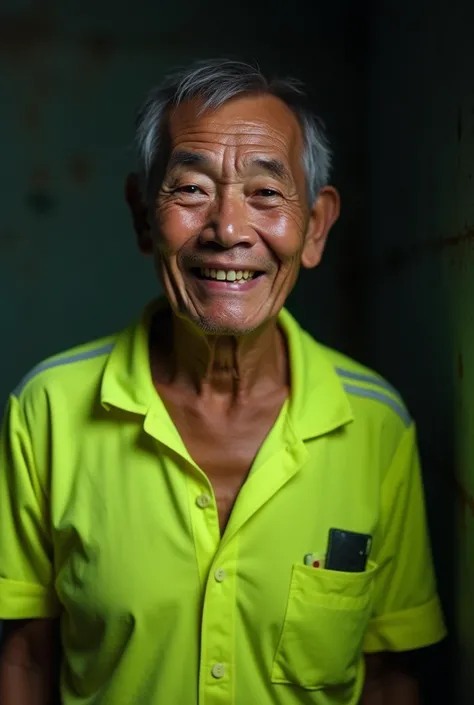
107	521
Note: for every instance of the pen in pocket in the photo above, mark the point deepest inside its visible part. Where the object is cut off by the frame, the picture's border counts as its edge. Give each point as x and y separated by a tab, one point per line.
314	560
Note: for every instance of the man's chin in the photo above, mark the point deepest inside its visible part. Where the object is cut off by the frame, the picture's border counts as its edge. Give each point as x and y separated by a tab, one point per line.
223	317
229	325
211	326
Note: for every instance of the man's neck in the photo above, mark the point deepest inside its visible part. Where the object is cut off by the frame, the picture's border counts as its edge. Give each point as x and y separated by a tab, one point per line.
236	367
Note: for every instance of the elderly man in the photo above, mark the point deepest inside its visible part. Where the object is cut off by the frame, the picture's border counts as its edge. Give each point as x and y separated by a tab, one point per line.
219	510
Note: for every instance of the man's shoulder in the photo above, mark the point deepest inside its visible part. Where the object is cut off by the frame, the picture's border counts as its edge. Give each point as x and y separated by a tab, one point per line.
349	368
72	367
369	391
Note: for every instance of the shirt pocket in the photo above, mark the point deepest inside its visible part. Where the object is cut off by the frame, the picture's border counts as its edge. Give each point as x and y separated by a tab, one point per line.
325	623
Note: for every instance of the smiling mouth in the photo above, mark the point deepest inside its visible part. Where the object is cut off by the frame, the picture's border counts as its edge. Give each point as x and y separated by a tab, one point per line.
236	276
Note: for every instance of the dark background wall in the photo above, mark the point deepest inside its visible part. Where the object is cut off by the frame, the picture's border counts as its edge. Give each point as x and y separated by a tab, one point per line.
419	273
71	76
393	81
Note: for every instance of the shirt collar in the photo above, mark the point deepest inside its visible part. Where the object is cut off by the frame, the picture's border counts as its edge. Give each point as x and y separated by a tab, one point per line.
127	382
318	403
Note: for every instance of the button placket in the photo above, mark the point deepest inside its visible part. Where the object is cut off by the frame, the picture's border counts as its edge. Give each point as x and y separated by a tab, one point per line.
218	670
218	630
220	575
204	525
203	501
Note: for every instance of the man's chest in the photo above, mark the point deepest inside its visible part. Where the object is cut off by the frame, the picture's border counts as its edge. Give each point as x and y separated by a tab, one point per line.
132	510
138	542
224	447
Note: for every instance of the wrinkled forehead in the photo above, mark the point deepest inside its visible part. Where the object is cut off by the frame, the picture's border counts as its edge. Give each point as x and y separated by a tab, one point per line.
256	123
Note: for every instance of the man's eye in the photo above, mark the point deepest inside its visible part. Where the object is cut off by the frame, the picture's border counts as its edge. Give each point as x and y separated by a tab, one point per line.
267	192
190	188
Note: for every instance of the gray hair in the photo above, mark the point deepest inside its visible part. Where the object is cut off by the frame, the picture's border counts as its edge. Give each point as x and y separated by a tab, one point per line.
216	82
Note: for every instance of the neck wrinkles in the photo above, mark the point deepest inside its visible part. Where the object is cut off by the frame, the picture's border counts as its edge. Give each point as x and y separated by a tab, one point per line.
232	366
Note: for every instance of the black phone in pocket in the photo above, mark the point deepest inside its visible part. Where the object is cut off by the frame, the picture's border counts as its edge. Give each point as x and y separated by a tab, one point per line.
348	551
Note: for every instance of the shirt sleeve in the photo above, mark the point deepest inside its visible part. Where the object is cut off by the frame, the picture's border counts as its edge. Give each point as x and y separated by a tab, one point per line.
26	565
407	613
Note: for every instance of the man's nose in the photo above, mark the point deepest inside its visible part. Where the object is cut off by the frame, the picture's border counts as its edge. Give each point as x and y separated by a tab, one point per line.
228	224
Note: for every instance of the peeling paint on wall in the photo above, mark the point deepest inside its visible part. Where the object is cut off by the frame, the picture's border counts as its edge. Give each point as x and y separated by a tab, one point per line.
401	256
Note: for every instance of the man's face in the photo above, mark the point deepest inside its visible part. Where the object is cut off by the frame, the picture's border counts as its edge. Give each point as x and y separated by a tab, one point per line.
228	227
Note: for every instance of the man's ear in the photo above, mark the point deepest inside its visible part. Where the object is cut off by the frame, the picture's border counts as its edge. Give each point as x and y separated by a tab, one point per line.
324	213
139	212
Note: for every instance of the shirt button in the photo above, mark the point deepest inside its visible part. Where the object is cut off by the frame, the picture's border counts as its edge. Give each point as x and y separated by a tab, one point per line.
220	575
203	501
218	670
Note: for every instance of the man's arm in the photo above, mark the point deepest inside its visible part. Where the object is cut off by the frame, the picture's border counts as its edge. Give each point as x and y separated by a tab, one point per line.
28	602
27	662
390	680
407	616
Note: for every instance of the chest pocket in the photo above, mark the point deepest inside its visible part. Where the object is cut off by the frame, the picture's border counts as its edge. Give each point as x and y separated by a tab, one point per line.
326	619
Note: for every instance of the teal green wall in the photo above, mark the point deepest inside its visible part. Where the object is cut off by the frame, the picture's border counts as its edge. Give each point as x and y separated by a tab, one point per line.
71	75
421	273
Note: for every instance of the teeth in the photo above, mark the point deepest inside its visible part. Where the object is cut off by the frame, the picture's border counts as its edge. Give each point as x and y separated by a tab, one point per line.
231	276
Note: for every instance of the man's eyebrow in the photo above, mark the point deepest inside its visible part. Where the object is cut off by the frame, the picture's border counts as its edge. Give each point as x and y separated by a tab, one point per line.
181	158
275	167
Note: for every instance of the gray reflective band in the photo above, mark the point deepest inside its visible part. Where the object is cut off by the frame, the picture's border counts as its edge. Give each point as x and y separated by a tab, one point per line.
369	379
59	362
383	398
